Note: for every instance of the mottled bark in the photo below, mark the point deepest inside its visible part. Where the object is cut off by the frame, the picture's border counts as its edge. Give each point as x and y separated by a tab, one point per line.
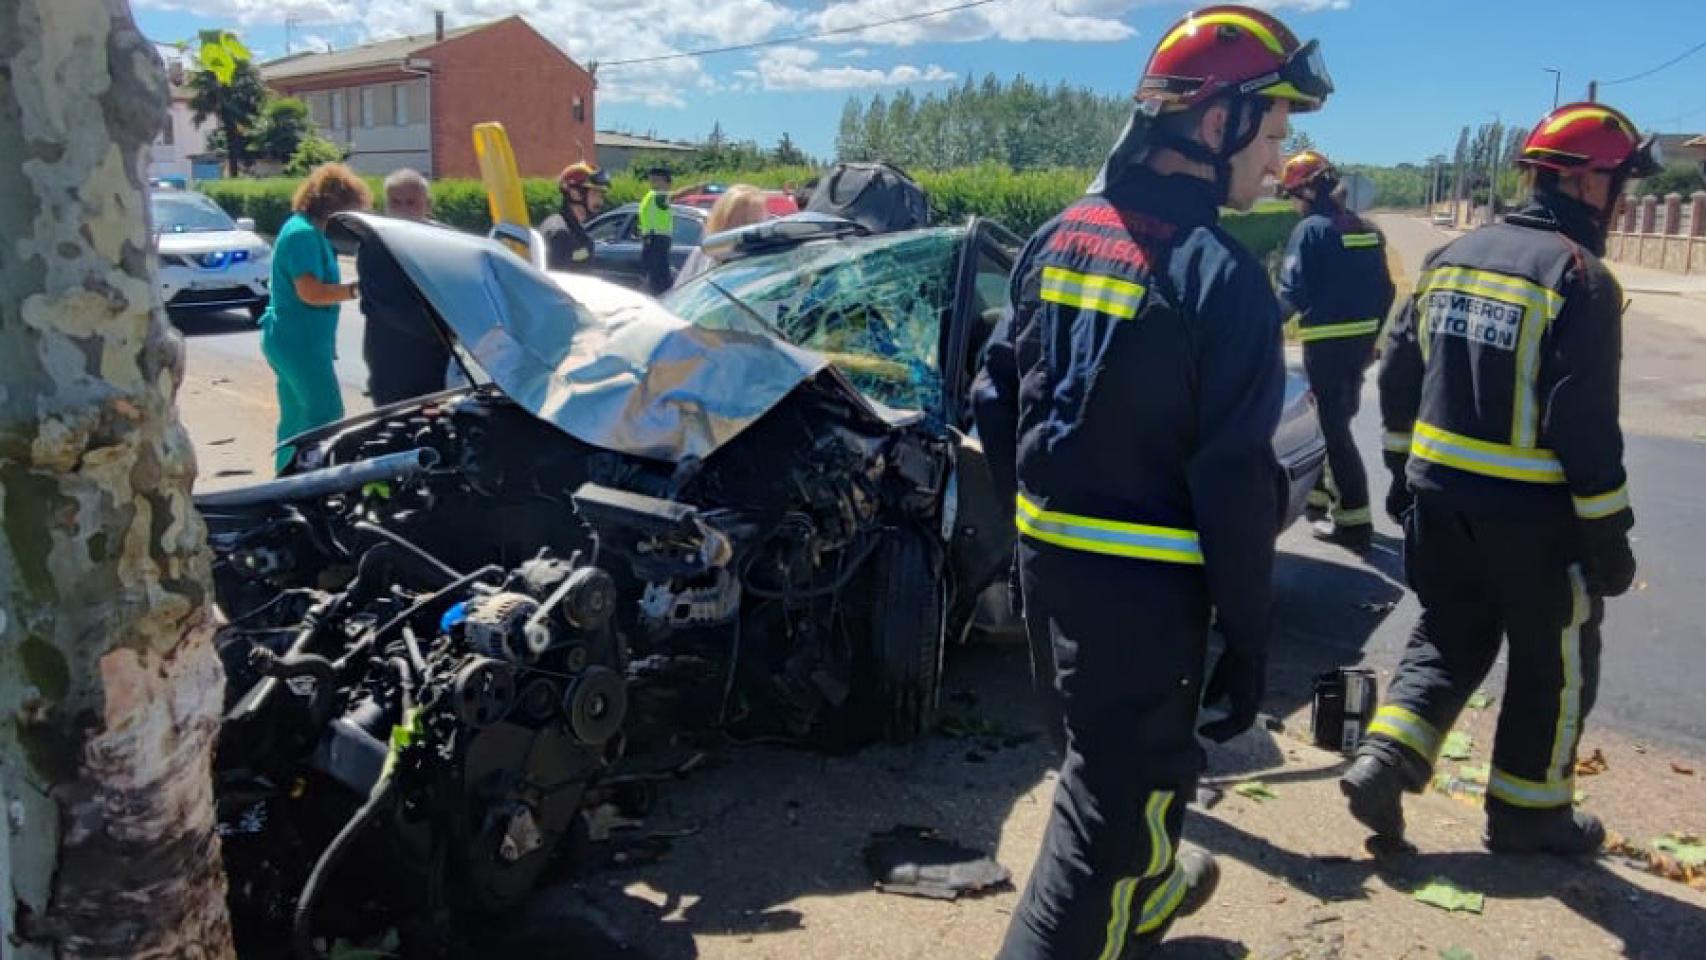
109	687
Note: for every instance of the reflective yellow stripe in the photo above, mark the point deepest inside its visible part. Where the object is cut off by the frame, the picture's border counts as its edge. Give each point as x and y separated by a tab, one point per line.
1319	498
1160	843
1361	516
1160	859
1087	291
1602	506
1158	909
1528	793
1500	286
1409	729
1194	23
1588	113
1395	442
1355	240
1569	725
1112	537
1485	458
1333	331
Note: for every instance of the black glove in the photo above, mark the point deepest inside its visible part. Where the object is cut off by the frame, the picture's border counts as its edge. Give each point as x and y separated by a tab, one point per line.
1399	499
1608	565
1239	677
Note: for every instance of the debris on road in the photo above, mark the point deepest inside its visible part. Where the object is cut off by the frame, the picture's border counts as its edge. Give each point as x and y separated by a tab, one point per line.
1458	746
1448	896
1678	857
1255	790
919	862
1479	700
1683	769
1592	766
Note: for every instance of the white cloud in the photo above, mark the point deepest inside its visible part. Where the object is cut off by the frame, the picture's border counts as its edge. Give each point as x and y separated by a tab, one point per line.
796	68
605	31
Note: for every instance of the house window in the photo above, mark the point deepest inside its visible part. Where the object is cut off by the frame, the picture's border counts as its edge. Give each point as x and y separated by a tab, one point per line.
338	110
580	110
367	106
400	104
167	132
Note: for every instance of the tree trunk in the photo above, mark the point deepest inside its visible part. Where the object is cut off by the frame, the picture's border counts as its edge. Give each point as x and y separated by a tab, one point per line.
110	690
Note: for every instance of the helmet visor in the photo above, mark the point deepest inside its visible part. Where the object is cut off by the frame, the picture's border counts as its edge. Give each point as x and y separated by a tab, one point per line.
1306	70
1647	160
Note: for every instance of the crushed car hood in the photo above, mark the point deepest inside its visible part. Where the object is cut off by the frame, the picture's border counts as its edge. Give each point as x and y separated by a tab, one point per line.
624	374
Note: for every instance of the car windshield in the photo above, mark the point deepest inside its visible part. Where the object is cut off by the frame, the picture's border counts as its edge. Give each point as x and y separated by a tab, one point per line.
872	307
188	215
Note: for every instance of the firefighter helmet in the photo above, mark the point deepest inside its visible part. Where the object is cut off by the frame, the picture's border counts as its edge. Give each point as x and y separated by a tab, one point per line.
1590	136
1304	169
1233	50
581	175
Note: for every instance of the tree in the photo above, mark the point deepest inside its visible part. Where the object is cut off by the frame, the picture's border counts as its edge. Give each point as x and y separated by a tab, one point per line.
283	127
110	689
850	135
310	153
789	155
229	89
1296	142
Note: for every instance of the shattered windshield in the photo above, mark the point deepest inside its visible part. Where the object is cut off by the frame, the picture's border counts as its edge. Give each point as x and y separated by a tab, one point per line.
872	307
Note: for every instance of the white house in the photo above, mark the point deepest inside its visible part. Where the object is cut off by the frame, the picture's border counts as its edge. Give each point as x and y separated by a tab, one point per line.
180	140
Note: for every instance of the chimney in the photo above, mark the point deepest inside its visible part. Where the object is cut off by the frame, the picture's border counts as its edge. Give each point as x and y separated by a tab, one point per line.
438	25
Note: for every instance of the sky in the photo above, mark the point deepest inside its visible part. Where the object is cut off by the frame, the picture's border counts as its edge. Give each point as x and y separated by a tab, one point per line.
1410	73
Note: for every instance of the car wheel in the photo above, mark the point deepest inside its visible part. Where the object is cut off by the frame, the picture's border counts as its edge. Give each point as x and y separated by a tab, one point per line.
257	310
901	663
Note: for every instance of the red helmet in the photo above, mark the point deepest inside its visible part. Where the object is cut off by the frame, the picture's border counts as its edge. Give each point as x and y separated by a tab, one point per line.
580	175
1305	168
1590	136
1233	50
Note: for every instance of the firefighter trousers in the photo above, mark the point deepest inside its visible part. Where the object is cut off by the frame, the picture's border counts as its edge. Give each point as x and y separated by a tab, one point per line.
1335	377
1481	579
1129	637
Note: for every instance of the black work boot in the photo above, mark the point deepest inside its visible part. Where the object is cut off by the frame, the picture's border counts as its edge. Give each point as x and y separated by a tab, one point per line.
1375	787
1564	831
1201	875
1358	537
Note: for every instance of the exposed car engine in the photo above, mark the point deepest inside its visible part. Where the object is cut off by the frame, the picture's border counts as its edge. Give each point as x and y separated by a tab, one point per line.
408	751
382	698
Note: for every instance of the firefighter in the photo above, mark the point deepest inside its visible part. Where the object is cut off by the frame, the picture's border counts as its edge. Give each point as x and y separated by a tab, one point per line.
567	245
1501	380
1131	396
1335	280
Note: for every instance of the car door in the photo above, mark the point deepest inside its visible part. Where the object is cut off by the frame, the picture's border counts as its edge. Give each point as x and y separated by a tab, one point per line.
616	247
980	542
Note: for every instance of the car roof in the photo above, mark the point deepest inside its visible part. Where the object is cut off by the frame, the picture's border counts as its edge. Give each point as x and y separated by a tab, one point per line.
682	208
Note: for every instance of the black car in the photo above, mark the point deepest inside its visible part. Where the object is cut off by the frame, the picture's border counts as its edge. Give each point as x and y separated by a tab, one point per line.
616	242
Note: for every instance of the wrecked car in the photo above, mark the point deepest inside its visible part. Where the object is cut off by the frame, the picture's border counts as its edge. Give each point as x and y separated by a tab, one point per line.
755	508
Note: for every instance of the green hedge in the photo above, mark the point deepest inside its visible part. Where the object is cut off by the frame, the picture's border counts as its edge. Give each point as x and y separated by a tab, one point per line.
1022	201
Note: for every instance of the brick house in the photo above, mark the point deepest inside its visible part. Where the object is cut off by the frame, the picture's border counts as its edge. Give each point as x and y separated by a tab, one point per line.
414	101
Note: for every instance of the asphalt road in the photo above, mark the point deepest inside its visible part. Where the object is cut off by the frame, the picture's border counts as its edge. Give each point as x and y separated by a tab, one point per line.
1653	683
1335	609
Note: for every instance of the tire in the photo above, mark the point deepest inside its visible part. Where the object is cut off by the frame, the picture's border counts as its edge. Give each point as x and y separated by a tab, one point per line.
257	310
902	659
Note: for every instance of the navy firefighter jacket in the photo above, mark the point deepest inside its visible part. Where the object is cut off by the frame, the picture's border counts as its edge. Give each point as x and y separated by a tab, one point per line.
1335	278
1134	390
